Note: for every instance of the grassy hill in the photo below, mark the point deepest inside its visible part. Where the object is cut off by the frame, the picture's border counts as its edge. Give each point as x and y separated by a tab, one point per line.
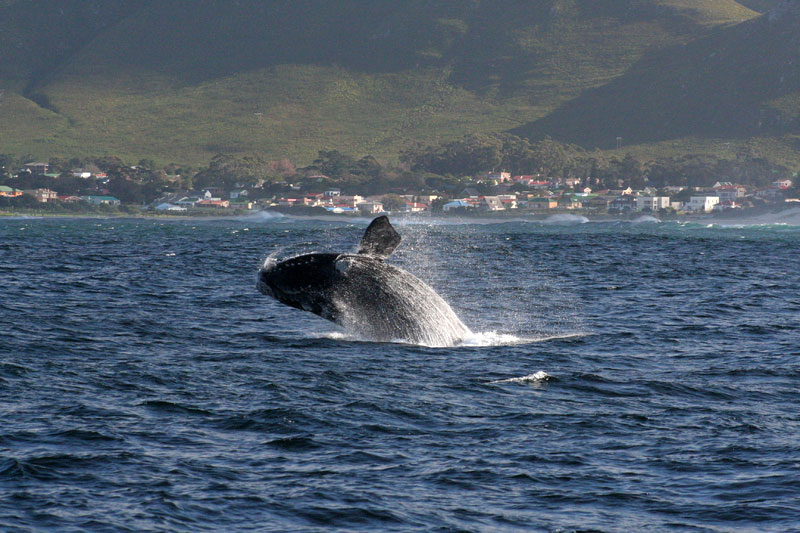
740	83
184	80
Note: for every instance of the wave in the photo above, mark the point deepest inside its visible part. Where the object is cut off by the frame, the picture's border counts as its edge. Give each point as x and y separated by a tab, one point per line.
646	219
265	216
787	218
535	378
565	219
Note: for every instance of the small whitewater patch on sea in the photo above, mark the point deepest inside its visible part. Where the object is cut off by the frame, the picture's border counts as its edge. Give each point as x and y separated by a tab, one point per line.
494	338
473	340
536	378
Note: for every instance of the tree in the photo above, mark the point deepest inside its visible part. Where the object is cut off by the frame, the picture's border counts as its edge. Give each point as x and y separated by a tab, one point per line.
393	202
147	164
229	172
333	163
465	157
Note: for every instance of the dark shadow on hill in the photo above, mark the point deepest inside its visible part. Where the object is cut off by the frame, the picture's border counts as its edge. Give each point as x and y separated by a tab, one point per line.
491	45
725	85
213	38
516	48
37	36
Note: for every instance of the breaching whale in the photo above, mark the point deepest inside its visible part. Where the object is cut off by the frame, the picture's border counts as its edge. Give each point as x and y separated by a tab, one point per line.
364	294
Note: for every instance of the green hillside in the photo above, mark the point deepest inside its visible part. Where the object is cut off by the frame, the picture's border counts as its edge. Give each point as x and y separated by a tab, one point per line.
181	81
738	83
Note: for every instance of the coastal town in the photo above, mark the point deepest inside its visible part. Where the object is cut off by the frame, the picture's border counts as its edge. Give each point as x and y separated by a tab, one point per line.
496	192
543	195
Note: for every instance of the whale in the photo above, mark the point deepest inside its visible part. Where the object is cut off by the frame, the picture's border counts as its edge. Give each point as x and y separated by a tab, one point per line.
365	294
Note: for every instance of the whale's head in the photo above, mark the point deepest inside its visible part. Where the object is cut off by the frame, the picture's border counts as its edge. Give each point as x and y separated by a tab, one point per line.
302	282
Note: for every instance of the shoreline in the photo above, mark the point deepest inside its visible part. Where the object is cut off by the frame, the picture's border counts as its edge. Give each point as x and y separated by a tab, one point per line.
560	216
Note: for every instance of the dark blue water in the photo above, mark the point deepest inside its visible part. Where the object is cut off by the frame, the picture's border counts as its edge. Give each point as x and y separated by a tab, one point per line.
623	377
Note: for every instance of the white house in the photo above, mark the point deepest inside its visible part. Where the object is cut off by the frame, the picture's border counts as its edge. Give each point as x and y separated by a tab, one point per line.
651	203
730	193
414	207
499	177
455	204
80	173
492	203
169	207
701	204
370	208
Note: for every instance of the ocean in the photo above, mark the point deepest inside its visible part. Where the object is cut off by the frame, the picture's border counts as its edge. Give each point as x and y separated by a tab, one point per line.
620	376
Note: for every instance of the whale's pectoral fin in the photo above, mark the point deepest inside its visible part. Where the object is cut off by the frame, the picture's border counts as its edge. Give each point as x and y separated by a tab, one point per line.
380	239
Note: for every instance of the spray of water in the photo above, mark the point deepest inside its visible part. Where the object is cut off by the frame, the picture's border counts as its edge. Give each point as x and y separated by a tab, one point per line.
536	378
565	219
646	219
388	304
517	302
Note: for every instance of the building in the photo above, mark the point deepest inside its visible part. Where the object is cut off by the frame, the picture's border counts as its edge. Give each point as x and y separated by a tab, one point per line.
491	203
186	201
43	195
81	173
426	198
9	192
241	203
370	208
341	210
730	193
414	207
542	203
701	204
214	202
169	207
569	202
624	203
496	177
348	201
456	204
509	203
531	181
100	200
726	206
595	202
39	169
652	203
69	199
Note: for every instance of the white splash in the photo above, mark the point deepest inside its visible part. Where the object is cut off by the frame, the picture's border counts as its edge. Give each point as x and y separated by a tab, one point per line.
265	216
565	219
384	303
492	338
271	260
646	219
536	378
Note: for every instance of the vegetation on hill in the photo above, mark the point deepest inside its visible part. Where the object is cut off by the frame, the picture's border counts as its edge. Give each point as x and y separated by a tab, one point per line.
187	80
739	82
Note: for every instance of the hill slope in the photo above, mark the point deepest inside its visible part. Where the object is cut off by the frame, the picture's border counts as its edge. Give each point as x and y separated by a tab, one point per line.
740	82
184	80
